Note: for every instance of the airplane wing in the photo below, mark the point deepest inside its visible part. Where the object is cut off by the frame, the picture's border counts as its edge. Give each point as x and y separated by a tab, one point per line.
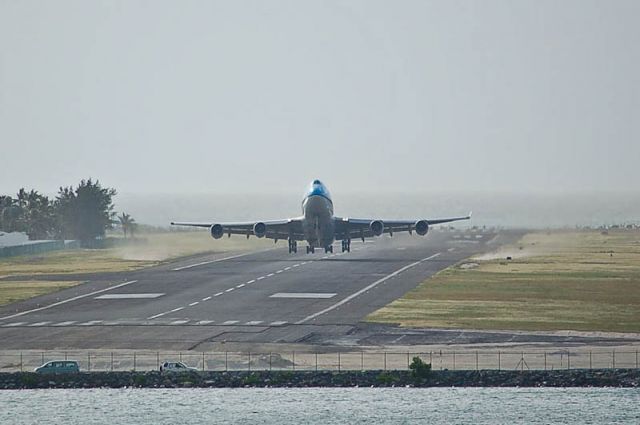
353	228
272	229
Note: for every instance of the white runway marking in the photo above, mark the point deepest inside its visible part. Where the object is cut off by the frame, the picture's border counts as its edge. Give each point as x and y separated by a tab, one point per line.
206	299
204	322
179	322
10	325
296	265
176	309
287	268
40	323
279	271
251	281
230	322
260	278
194	303
451	249
278	323
270	274
91	323
303	295
157	315
127	296
254	322
68	300
230	289
67	323
240	286
218	294
177	269
365	289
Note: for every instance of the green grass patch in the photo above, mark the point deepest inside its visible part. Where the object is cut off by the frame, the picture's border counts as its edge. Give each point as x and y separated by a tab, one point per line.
580	280
12	291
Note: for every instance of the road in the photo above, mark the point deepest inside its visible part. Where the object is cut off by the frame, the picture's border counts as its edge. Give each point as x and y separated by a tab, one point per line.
261	297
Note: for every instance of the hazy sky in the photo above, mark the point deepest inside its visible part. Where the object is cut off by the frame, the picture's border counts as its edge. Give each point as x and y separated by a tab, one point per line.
200	96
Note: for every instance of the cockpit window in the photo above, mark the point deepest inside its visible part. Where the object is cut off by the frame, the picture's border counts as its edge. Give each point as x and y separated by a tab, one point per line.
317	182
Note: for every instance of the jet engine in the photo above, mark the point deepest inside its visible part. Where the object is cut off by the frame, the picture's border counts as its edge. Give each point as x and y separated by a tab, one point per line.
259	229
216	231
422	227
377	227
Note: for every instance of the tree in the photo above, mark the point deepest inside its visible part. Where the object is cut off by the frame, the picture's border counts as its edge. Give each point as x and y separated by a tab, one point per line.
128	224
29	212
85	212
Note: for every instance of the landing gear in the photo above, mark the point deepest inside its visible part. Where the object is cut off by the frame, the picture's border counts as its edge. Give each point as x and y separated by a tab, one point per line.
328	249
346	245
293	246
310	249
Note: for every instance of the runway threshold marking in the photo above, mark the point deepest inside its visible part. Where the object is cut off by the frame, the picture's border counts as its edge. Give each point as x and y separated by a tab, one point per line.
365	289
68	300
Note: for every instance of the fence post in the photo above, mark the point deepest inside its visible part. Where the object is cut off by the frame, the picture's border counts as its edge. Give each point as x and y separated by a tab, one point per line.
522	361
294	360
316	361
499	366
89	361
42	358
112	361
545	360
362	360
226	361
568	359
454	360
636	359
180	355
249	362
590	361
134	361
339	368
408	360
21	369
614	358
476	359
385	360
270	361
157	360
203	361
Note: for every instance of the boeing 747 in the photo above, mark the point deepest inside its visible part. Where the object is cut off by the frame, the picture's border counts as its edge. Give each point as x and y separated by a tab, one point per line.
318	226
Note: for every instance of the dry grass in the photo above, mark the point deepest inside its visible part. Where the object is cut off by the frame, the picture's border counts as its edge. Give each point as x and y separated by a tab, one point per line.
158	247
12	291
576	280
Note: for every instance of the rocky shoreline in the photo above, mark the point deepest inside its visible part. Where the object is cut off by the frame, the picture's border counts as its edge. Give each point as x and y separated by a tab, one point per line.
374	378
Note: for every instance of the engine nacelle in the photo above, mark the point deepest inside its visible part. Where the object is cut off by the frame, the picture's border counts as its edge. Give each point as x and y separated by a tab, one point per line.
376	227
259	229
422	227
216	231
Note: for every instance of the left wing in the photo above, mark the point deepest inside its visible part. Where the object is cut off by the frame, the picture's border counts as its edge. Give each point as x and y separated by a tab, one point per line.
353	228
272	229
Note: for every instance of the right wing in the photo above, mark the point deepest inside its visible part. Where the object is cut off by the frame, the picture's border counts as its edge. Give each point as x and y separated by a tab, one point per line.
273	229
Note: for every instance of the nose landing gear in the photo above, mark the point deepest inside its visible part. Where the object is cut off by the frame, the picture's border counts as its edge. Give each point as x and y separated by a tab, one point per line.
293	246
346	245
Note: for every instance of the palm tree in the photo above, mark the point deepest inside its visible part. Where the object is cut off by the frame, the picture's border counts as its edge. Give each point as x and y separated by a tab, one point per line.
128	223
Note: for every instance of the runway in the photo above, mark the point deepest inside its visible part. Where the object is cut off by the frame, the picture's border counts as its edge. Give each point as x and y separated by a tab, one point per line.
262	297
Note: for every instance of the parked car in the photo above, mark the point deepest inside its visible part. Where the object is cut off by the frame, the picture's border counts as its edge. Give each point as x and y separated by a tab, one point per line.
59	366
176	367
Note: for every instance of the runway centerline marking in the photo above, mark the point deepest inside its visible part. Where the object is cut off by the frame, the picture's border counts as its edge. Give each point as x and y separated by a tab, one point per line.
260	278
270	274
206	299
158	315
128	296
240	286
177	269
307	295
218	294
194	303
251	281
176	309
40	323
230	289
230	322
68	300
365	289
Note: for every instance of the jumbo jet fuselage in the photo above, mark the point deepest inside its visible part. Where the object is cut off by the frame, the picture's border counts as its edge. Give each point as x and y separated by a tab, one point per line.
317	213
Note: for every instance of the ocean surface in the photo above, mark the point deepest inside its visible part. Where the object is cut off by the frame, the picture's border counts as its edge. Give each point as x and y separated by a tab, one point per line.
323	406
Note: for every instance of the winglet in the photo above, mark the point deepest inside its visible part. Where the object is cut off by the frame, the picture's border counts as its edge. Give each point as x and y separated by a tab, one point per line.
470	214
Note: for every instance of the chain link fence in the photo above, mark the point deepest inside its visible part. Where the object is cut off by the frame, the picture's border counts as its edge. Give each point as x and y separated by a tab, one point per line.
297	360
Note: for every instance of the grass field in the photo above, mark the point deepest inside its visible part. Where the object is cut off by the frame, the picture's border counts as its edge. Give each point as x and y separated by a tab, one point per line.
157	248
563	280
12	291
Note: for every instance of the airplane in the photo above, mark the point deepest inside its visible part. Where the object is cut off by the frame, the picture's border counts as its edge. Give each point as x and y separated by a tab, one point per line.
318	226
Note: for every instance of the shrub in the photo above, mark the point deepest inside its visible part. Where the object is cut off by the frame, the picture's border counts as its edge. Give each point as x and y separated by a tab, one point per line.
419	369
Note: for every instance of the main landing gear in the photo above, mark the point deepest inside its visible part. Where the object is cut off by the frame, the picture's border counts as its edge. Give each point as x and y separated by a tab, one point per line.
310	249
346	245
293	246
328	249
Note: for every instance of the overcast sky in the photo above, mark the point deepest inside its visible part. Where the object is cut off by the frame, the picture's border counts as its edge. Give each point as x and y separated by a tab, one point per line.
202	96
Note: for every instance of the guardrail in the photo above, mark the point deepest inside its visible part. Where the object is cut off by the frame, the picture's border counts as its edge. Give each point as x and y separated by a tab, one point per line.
119	360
